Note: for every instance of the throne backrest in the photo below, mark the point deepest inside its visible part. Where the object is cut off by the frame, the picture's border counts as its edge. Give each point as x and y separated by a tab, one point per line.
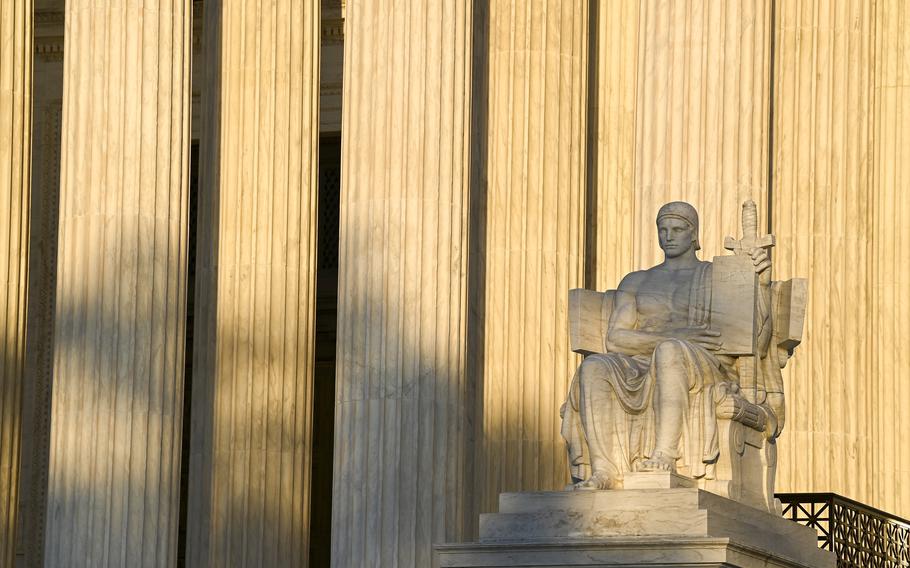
589	316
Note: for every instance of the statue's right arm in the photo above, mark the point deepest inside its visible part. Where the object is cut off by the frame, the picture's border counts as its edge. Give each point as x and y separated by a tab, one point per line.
622	337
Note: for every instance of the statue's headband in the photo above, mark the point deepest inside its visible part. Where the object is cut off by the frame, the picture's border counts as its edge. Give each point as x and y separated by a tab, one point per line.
680	217
684	211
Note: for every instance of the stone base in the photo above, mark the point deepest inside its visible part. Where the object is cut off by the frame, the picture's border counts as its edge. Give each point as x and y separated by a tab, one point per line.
634	527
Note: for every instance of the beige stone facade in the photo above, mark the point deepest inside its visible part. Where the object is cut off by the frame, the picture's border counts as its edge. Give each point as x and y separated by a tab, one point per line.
183	160
16	59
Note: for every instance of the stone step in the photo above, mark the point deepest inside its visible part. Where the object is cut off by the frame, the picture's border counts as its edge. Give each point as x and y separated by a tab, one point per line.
593	524
610	500
640	512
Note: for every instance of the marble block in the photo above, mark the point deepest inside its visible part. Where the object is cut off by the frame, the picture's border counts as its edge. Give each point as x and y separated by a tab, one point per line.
633	527
656	480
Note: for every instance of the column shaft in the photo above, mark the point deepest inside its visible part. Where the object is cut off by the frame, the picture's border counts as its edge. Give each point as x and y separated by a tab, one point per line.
612	219
535	237
16	37
402	422
251	427
702	116
113	494
824	219
889	468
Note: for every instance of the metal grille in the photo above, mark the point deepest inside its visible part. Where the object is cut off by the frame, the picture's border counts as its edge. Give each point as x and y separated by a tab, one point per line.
329	205
860	536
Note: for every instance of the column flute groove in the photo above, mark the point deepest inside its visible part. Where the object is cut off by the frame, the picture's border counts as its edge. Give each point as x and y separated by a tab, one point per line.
114	468
402	406
251	431
16	54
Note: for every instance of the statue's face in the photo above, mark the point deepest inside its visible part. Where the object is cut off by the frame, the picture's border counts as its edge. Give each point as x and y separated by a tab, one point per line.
676	236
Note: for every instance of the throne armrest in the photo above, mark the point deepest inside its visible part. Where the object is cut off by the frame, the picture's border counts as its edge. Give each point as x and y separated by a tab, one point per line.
589	317
738	409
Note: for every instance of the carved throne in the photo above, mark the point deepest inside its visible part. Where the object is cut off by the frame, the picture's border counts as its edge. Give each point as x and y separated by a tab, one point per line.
750	416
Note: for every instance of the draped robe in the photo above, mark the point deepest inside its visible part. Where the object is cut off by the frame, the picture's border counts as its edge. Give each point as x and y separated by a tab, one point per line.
609	419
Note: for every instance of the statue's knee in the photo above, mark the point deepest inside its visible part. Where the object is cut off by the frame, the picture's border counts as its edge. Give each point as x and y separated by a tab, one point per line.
668	352
592	374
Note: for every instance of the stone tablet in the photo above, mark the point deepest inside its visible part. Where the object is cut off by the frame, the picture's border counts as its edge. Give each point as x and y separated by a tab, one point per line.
790	311
589	315
733	301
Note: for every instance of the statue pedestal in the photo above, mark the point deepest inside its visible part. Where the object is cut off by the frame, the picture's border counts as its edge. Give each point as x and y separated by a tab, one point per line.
674	526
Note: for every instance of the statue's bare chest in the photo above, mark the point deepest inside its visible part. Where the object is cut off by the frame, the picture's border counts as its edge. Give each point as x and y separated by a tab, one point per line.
663	298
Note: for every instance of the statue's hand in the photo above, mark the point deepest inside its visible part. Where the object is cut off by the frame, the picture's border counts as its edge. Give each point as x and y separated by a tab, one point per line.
762	263
700	335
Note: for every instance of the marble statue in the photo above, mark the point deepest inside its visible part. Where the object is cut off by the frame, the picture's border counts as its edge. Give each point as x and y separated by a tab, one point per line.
683	362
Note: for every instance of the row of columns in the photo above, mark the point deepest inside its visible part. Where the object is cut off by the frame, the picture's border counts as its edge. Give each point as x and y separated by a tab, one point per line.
410	404
494	156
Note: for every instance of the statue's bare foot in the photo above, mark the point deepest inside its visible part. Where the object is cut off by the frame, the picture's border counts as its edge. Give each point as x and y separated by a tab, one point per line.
598	480
659	461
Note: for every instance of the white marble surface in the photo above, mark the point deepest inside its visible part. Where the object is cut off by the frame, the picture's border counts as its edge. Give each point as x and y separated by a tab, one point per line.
615	552
653	527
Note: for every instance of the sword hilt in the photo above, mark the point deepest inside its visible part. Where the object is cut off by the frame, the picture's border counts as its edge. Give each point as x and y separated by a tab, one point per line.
750	219
750	238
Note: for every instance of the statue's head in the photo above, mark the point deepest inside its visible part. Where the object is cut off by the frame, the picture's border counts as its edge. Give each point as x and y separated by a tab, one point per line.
677	228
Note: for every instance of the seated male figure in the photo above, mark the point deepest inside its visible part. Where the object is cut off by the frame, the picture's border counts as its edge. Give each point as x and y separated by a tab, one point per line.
648	403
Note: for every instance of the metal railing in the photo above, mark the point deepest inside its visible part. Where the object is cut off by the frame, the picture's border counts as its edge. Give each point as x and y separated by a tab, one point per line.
860	536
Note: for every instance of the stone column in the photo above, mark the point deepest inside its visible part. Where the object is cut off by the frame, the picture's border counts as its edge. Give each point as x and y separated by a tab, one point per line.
702	116
889	468
402	422
16	38
614	86
535	238
113	492
842	204
823	216
251	428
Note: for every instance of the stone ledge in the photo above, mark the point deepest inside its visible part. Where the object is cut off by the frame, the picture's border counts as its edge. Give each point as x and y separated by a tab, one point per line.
634	527
701	552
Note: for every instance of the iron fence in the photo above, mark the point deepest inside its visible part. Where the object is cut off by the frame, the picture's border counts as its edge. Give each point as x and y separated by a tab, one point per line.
860	536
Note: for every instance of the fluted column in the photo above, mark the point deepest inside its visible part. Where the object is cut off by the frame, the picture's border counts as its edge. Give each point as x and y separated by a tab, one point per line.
402	415
702	116
825	218
113	492
249	487
612	147
535	237
890	277
16	37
